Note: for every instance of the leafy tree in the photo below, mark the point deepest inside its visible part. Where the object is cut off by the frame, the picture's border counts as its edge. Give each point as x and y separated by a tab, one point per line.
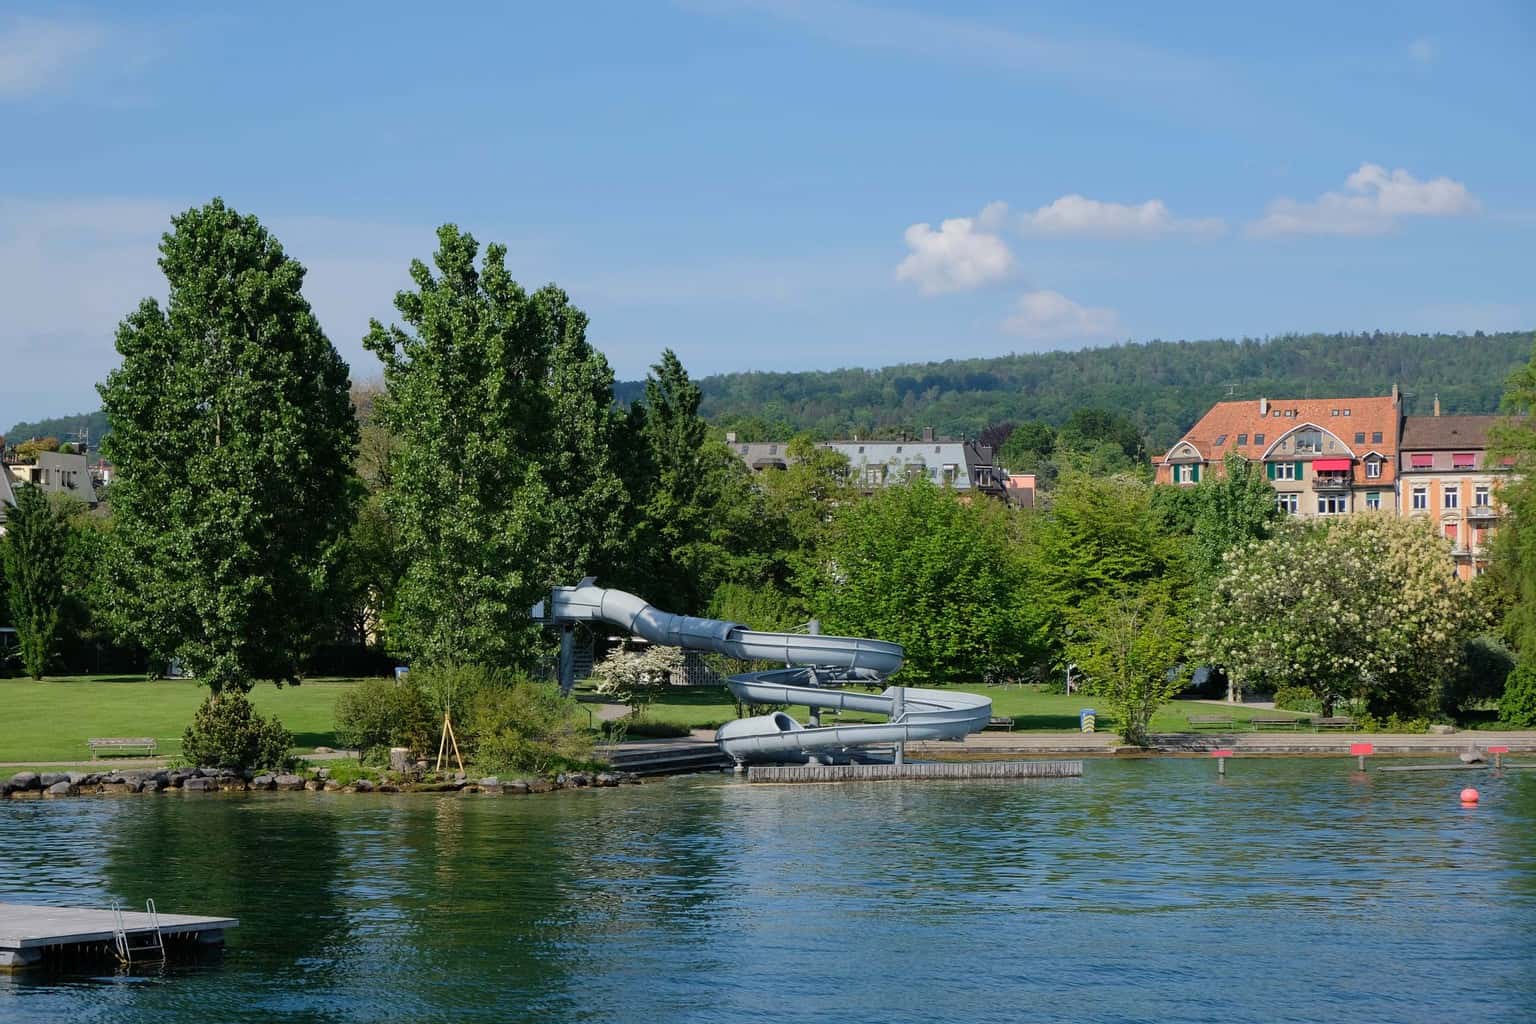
1028	448
29	450
805	494
919	566
589	515
233	438
33	551
1129	646
701	518
1087	428
1363	605
1103	537
1231	508
637	677
467	400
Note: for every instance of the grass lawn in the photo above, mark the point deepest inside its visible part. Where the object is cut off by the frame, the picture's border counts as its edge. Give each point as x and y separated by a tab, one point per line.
706	707
52	719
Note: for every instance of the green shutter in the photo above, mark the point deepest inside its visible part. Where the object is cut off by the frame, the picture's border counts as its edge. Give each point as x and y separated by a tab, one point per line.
1196	477
1269	470
1298	470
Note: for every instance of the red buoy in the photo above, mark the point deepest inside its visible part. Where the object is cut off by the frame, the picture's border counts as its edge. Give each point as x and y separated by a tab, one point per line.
1469	795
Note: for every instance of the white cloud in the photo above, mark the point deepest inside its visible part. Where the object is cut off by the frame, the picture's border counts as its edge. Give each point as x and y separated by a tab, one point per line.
37	52
1373	202
1423	51
1047	316
1079	215
963	254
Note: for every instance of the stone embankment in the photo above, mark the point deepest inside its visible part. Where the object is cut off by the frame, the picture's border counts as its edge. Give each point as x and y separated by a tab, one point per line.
52	785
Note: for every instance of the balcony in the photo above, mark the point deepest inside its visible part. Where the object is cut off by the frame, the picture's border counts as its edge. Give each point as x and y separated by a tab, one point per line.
1331	483
1482	512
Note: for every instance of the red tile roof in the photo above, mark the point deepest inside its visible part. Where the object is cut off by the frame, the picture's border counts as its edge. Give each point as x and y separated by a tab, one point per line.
1226	423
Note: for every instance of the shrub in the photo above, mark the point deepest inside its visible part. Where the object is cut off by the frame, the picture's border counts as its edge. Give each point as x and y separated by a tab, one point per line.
455	687
1517	707
1485	665
380	713
1297	698
227	732
527	727
646	728
636	677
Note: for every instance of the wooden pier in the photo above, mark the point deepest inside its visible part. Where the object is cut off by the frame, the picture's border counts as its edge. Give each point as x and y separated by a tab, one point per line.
914	770
30	934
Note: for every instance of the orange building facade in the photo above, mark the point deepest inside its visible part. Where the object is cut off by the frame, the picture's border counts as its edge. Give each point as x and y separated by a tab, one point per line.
1324	456
1449	480
1337	456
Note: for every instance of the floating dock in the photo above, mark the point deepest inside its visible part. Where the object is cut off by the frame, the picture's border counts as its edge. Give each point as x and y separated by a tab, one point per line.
914	770
31	934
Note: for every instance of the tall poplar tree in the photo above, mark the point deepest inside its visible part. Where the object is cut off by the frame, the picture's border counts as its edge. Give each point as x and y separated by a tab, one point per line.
32	553
589	513
468	404
233	438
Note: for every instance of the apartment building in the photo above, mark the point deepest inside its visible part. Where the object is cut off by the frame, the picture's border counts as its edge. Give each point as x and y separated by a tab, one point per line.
1449	479
965	466
1324	456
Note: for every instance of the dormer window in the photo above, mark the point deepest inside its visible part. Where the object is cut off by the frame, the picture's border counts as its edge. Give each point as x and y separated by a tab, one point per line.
1309	440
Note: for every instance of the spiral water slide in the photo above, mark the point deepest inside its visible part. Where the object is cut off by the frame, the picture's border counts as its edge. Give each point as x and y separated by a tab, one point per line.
815	666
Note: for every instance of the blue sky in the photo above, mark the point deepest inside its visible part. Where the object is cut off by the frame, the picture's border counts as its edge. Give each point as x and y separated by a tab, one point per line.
772	184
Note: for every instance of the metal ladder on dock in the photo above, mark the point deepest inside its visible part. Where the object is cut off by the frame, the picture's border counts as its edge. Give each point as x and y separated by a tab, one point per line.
140	947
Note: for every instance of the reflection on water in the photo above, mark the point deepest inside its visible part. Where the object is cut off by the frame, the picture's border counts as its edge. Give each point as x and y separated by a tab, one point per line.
1147	890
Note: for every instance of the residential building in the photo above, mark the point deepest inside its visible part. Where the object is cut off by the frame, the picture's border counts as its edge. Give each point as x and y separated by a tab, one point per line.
1449	480
7	494
58	473
1324	456
1021	489
965	466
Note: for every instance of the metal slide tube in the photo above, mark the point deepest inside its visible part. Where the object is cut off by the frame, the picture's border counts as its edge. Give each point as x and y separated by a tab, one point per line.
921	714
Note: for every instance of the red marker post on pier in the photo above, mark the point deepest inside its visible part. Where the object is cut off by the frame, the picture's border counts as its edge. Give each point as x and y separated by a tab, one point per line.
1498	755
1362	751
1221	759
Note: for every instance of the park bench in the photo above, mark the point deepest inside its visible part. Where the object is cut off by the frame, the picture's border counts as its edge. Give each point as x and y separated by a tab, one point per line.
122	744
1000	722
1212	722
1278	722
1335	722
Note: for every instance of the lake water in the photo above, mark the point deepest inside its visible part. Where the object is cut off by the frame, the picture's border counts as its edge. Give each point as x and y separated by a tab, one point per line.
1147	890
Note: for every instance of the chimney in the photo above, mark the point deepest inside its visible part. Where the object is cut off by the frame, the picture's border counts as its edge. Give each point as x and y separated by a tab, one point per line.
927	433
1263	407
1397	395
1437	405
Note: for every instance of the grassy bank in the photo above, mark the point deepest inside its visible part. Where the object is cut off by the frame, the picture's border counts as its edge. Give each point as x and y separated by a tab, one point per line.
51	720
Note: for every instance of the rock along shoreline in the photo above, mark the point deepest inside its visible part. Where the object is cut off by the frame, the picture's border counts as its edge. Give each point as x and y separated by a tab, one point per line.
56	785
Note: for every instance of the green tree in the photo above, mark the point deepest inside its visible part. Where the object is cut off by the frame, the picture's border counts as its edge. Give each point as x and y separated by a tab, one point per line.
1028	447
1103	536
233	438
1129	646
589	507
919	566
701	519
33	551
1362	606
468	403
1231	508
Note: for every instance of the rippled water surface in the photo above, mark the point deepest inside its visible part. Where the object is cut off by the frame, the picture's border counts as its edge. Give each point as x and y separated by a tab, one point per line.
1145	891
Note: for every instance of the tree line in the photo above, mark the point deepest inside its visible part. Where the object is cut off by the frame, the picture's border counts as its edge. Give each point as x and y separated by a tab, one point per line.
265	504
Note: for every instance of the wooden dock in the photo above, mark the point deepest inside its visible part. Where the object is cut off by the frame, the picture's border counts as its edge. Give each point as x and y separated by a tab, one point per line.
29	934
914	770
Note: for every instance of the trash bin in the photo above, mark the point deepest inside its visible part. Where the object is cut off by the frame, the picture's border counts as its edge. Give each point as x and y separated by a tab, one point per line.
1086	718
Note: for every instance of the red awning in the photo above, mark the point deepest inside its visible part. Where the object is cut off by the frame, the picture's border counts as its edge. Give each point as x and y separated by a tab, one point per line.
1330	465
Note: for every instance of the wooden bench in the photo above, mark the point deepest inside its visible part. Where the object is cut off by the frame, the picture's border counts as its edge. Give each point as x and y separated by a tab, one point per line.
1212	722
1000	722
122	744
1279	722
1335	722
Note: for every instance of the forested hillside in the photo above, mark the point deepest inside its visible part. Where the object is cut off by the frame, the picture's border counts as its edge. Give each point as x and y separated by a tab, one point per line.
1162	386
65	428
